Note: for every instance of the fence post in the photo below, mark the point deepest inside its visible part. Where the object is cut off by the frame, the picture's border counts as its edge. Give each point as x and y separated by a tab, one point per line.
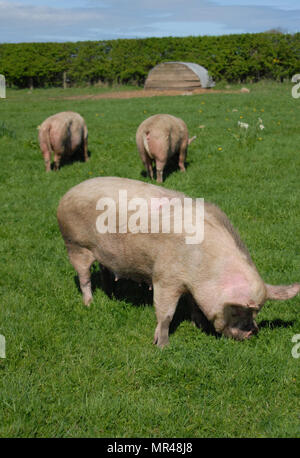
65	80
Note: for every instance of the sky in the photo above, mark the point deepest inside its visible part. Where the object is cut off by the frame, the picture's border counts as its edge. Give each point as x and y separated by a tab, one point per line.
79	20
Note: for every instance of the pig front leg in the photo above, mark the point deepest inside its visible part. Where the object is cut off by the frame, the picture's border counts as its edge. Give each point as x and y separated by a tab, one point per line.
82	259
165	303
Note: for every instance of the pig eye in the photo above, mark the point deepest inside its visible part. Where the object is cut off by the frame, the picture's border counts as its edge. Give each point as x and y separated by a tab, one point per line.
236	310
234	314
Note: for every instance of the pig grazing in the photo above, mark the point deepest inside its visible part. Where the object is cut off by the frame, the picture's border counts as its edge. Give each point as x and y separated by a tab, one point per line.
160	137
63	134
219	272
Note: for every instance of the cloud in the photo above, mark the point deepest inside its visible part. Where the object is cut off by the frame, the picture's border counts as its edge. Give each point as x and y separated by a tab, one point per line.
64	20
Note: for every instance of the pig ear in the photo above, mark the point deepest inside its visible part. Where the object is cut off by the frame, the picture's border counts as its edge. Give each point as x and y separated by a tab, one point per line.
249	305
191	139
282	292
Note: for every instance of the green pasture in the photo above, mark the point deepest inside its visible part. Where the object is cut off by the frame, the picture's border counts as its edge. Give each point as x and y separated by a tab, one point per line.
72	371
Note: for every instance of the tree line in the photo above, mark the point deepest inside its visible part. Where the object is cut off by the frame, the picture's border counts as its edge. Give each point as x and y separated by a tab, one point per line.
232	58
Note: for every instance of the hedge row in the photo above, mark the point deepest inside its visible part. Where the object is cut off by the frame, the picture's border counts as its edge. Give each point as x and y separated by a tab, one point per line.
243	57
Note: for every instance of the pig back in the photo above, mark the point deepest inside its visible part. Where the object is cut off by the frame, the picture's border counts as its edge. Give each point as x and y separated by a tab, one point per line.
165	126
65	129
133	255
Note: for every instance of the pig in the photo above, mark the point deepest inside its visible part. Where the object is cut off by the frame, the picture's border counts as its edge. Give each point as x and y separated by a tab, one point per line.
217	273
160	137
63	134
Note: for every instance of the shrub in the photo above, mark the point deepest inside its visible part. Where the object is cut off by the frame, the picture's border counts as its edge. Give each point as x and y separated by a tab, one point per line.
233	58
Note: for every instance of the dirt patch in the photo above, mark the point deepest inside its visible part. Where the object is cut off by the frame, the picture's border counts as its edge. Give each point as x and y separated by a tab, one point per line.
148	93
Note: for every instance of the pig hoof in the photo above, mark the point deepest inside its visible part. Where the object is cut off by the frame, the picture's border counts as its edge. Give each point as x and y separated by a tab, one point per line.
155	339
87	301
159	341
161	344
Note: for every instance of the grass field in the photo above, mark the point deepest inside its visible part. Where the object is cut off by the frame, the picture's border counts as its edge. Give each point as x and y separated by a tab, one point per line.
72	371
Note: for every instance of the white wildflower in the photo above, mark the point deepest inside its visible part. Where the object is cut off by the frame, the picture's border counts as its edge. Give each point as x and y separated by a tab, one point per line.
243	125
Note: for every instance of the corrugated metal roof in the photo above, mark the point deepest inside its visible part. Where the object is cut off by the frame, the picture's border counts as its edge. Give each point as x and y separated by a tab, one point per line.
201	72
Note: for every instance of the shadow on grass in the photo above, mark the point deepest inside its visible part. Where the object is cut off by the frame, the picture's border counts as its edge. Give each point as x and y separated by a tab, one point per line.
171	167
278	323
69	160
140	296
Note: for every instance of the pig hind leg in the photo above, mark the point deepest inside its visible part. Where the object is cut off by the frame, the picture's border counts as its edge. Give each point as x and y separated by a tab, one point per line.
82	259
148	165
47	157
46	151
144	153
165	303
158	149
160	165
78	145
182	156
57	159
85	146
147	161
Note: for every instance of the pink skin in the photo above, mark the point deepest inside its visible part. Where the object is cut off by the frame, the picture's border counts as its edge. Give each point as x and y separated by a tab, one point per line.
63	134
159	138
218	273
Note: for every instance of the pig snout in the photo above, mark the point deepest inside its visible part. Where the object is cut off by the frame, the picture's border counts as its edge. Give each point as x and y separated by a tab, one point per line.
241	334
238	323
